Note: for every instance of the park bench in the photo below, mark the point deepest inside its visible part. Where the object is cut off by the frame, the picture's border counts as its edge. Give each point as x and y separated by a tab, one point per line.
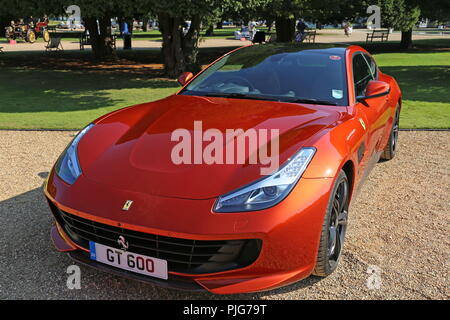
260	37
310	36
85	40
54	44
377	34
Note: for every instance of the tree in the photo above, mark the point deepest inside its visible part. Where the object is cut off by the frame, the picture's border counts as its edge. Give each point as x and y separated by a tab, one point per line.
409	16
286	13
97	18
95	14
403	15
399	14
438	10
180	48
15	10
245	10
391	13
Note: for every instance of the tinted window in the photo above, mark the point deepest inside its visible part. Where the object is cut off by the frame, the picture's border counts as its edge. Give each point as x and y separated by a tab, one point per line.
269	71
361	74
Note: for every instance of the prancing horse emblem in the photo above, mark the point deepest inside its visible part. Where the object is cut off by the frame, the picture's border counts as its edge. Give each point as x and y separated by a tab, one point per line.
122	243
127	205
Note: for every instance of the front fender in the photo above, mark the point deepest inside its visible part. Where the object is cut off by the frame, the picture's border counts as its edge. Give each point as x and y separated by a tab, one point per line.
335	148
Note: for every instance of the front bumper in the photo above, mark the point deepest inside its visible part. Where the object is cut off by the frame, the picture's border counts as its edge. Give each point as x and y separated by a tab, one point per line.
289	232
174	282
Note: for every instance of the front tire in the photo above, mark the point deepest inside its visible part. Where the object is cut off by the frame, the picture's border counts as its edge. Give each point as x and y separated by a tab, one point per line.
334	228
9	34
391	147
31	36
46	36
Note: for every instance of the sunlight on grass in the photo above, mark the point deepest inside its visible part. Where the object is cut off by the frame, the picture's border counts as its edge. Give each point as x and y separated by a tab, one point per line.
32	98
425	82
37	99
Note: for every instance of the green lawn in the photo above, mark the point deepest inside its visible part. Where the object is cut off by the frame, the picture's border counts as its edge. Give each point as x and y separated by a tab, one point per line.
425	81
36	99
32	96
224	33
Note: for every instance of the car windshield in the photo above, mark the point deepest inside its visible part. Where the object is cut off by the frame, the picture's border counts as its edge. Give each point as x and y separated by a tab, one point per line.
279	73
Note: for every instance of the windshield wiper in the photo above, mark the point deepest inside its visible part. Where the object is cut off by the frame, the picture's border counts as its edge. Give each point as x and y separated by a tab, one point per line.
309	101
239	96
268	98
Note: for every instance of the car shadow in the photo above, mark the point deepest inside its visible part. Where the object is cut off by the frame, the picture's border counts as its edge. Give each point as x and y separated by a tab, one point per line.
33	269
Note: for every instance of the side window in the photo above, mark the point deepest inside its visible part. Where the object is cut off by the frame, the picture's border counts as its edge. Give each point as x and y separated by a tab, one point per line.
372	65
362	74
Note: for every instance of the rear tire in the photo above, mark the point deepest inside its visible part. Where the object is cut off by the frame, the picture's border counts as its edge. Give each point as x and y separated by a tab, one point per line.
334	228
391	147
31	36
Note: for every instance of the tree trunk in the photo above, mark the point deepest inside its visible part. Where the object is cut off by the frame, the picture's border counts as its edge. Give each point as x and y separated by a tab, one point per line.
119	22
190	45
269	23
145	24
106	37
406	42
179	51
100	34
285	29
170	27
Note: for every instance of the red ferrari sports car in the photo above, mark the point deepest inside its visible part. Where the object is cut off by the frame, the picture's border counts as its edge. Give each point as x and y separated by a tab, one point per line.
164	192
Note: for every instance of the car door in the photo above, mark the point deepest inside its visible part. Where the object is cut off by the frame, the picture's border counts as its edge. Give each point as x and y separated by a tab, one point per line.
371	112
385	107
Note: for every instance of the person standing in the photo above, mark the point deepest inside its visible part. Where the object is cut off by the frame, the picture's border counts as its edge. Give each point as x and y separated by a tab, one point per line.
301	27
251	29
348	28
126	34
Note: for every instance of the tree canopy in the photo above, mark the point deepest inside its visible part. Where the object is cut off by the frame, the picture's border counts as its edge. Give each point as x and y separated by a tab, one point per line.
180	38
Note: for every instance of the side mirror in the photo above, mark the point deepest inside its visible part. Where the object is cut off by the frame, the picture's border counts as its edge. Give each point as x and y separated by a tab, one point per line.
375	89
185	77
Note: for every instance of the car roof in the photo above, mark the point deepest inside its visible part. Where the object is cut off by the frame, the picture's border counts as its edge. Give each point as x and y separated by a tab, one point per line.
296	48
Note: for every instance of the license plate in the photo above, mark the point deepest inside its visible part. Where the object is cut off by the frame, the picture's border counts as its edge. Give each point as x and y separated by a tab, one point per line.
129	261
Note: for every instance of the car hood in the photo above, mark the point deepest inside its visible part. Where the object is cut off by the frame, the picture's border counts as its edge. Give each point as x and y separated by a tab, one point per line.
132	148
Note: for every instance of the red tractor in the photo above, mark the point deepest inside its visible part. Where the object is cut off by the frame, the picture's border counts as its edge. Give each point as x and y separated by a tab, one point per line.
28	31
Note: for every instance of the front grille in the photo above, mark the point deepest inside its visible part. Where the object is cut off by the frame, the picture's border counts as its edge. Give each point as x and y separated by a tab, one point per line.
182	255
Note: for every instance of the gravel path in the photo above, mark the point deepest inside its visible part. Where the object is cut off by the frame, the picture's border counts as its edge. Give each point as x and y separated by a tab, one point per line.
399	227
323	36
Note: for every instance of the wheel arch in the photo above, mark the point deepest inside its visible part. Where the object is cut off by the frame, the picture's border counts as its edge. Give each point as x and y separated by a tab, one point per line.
349	169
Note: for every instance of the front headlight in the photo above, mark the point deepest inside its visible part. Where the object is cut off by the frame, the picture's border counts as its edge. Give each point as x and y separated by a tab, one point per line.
268	191
68	168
